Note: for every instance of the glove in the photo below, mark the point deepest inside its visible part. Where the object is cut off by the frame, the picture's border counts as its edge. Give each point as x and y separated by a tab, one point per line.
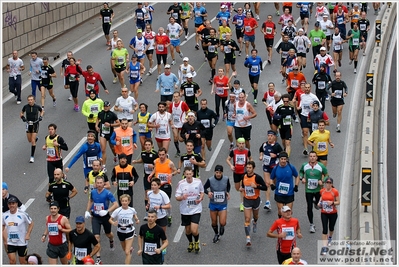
296	188
40	118
307	50
23	118
87	215
272	187
102	213
69	255
91	116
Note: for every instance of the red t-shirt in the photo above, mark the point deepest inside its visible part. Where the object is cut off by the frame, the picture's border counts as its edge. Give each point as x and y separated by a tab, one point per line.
161	41
328	196
298	94
250	23
269	28
91	81
286	244
184	106
219	84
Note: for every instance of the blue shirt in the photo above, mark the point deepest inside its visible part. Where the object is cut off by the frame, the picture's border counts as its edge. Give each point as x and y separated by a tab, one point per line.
223	16
240	20
199	10
305	8
134	71
254	65
167	83
101	200
90	152
284	179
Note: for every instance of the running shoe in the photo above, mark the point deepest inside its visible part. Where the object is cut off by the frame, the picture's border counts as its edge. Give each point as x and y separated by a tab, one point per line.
18	102
145	217
197	247
315	205
231	146
354	71
305	152
54	103
327	98
254	226
177	155
334	115
257	17
210	81
190	247
239	54
210	148
277	13
338	129
169	221
98	261
350	62
269	61
255	102
241	207
329	241
70	98
173	62
111	245
32	159
296	120
181	55
312	228
104	169
248	242
15	97
246	56
323	251
115	80
185	37
197	46
216	238
267	206
364	53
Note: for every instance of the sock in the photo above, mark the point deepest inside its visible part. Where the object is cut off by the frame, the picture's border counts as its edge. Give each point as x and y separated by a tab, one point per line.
213	72
255	94
221	231
338	125
196	238
189	237
355	64
247	230
215	229
32	151
177	147
255	220
186	30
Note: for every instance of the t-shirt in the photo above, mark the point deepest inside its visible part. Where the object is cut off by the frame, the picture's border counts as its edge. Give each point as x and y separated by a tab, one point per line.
321	142
152	240
189	206
328	196
82	243
124	217
16	227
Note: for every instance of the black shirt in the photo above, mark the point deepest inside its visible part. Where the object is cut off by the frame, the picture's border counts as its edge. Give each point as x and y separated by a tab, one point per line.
189	90
205	116
106	116
151	236
106	13
148	158
32	112
212	48
82	243
185	159
192	130
45	75
5	202
61	192
284	112
176	11
229	52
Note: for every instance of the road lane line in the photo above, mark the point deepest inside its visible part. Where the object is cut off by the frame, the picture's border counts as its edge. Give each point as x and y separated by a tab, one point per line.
70	154
29	202
178	234
214	156
42	186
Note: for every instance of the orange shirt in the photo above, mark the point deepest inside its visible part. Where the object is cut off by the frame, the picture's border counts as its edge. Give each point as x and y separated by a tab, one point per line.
286	244
328	196
163	171
287	4
294	81
250	192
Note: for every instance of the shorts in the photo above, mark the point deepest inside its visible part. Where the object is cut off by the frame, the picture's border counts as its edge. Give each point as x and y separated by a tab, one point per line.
335	102
106	28
125	236
282	61
217	207
55	252
197	25
253	79
186	220
167	188
304	122
162	222
197	149
166	98
324	157
301	54
269	168
119	69
238	177
96	223
149	52
21	250
175	42
286	133
210	56
193	107
147	185
251	203
134	81
207	134
352	48
140	57
239	33
328	37
162	57
304	15
161	139
106	136
32	128
230	123
243	132
229	60
338	51
269	42
146	135
283	199
47	86
65	211
363	34
281	257
249	38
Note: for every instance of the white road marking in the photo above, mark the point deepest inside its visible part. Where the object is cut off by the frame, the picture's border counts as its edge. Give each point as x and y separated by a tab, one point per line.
178	234
29	202
72	153
214	156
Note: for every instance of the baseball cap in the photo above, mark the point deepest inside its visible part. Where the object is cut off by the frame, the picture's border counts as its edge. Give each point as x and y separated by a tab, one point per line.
80	219
139	30
329	179
236	82
223	6
241	140
317	24
189	75
107	104
5	186
325	15
285	209
122	156
167	66
54	203
219	168
356	4
190	114
322	48
12	200
300	30
315	102
92	91
295	68
185	59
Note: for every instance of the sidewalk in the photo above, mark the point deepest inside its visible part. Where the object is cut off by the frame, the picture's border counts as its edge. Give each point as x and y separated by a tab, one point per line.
70	39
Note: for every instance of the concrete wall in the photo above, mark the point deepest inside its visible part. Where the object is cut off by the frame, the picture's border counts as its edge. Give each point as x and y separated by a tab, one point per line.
26	26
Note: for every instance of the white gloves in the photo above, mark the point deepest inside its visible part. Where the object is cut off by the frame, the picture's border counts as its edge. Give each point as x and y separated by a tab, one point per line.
102	213
87	215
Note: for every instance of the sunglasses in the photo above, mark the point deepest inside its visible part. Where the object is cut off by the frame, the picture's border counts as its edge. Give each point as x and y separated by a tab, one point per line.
286	101
328	183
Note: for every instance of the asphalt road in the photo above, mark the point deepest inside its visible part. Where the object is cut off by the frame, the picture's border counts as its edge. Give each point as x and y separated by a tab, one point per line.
28	181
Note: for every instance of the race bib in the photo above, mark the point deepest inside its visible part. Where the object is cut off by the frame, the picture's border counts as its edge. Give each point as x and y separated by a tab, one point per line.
14	236
248	28
147	168
211	49
287	120
80	253
269	30
191	202
52	229
98	207
134	74
255	69
321	84
363	27
160	47
219	196
227	49
327	208
142	127
266	160
316	39
72	77
249	191
322	146
175	15
290	233
355	41
294	83
90	161
90	86
284	54
239	22
219	90
105	129
337	47
162	130
187	163
189	91
51	152
149	248
125	141
338	93
94	108
123	185
206	123
163	177
121	60
240	159
313	183
340	20
283	188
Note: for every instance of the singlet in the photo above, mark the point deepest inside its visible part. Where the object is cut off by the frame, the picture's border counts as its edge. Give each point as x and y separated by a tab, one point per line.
55	236
241	112
150	37
142	120
162	170
249	191
178	114
163	132
125	137
240	158
53	152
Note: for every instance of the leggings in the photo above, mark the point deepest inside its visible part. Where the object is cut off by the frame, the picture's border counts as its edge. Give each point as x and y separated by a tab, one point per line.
73	88
328	219
321	95
309	201
217	103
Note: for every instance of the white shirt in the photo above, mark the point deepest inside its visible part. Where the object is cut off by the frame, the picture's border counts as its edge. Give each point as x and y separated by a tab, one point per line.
192	190
127	104
14	66
124	217
174	31
306	103
163	132
158	199
16	227
324	27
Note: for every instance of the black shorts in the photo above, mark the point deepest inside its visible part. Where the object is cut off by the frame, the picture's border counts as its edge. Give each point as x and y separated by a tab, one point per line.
304	122
47	86
55	252
301	54
147	185
286	133
21	250
193	107
106	136
335	102
282	61
149	52
106	28
65	211
167	188
186	220
119	69
363	34
253	79
162	57
324	157
165	98
32	128
238	177
269	42
304	15
328	37
96	223
239	33
251	203
162	222
207	134
284	199
125	236
352	48
210	56
281	257
230	60
243	132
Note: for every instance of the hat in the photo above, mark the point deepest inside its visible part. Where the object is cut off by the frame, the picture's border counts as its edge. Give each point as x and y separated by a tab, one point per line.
329	179
12	200
91	132
92	91
54	203
134	55
300	30
5	186
219	168
185	59
139	30
356	4
303	82
283	155
139	3
241	140
325	15
80	219
191	114
167	66
295	68
107	104
323	48
223	6
88	260
317	24
285	209
271	132
122	156
236	82
189	75
33	258
316	103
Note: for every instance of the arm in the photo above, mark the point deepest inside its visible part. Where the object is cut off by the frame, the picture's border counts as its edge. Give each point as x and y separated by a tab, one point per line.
135	175
74	192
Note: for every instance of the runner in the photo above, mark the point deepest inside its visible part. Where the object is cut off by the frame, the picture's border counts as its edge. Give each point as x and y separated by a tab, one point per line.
250	24
320	11
148	10
295	259
139	17
123	218
269	31
204	33
353	38
238	21
327	27
337	43
304	13
282	119
223	14
190	194
64	65
341	18
47	73
158	200
106	16
223	30
339	90
6	196
36	64
199	14
192	130
319	140
318	39
354	15
228	47
124	138
14	67
184	70
288	230
136	70
91	82
149	35
364	26
17	228
289	30
185	15
140	45
244	112
211	44
217	188
142	120
167	82
178	109
205	116
161	44
322	81
175	11
119	58
326	59
126	106
191	91
57	229
228	116
283	49
112	47
174	30
90	183
191	159
251	185
283	20
294	79
162	122
72	74
222	84
34	113
255	66
90	109
315	115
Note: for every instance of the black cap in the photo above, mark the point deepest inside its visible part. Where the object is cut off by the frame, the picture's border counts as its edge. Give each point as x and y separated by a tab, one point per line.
219	168
54	203
236	82
12	200
317	24
329	179
107	104
92	91
316	103
122	156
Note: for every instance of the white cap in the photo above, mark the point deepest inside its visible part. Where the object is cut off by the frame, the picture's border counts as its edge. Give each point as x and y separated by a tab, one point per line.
189	75
223	6
191	114
185	59
285	209
167	66
300	30
322	48
325	15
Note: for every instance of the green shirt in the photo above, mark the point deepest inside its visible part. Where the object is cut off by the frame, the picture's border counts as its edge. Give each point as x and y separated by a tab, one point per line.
316	37
355	39
312	176
92	107
120	56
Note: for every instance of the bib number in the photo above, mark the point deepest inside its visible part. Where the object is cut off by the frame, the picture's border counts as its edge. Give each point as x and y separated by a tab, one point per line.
283	188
